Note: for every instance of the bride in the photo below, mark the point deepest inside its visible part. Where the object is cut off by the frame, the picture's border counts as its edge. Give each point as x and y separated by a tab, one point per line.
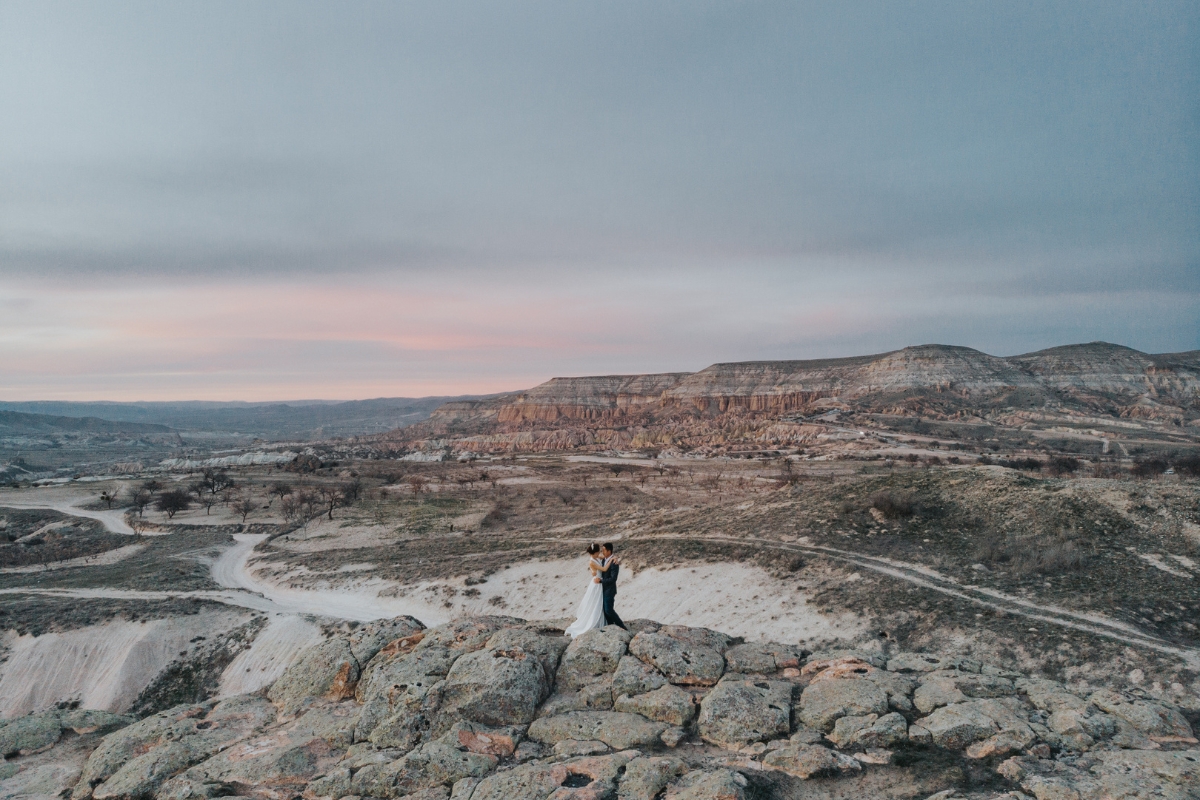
591	608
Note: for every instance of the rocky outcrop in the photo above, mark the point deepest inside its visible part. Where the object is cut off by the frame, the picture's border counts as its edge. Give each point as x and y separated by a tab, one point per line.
465	710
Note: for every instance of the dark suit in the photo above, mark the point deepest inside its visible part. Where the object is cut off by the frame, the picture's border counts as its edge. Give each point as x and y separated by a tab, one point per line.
608	583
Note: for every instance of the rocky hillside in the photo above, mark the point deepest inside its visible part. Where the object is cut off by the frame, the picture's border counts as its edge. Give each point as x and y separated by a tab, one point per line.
496	708
1086	385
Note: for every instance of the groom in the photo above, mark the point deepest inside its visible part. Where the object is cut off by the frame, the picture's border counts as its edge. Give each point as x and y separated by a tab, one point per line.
608	581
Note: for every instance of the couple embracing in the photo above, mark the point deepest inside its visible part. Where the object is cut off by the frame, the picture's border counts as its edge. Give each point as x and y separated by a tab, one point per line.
596	609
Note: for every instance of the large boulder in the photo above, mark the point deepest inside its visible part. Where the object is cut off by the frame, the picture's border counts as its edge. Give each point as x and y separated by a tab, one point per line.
806	761
668	704
408	712
36	732
616	729
590	656
824	701
645	778
681	661
737	713
493	687
634	676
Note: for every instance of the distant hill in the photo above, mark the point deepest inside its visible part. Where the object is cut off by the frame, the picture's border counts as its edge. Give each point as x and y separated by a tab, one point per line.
15	423
270	421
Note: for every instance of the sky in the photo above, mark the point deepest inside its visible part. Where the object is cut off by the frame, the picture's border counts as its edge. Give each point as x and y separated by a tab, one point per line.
282	200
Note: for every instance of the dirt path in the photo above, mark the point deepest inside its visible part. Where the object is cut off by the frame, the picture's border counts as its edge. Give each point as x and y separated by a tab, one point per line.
113	519
987	598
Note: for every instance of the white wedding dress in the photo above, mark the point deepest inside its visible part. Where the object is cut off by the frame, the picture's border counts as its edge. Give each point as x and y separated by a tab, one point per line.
590	613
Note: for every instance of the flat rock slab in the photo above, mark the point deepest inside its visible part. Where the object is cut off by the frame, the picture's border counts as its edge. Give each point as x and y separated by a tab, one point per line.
591	655
681	662
668	704
824	701
616	729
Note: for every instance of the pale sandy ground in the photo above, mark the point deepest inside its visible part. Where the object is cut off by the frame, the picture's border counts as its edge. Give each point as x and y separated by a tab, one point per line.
273	651
738	599
103	666
66	499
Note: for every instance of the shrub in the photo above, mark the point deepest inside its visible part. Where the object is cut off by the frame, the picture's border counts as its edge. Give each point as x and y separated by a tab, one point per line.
1188	465
173	502
1062	465
893	505
1148	467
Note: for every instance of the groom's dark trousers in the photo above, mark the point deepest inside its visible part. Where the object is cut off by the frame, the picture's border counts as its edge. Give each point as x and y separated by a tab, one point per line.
608	584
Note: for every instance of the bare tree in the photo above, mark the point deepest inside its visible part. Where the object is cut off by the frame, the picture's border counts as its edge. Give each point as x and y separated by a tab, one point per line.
418	483
243	506
173	502
152	486
108	498
216	481
281	490
291	508
139	498
208	501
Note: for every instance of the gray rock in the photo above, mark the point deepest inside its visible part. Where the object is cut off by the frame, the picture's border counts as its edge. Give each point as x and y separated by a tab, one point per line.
335	784
136	760
389	668
737	713
368	639
697	637
668	704
973	685
30	734
499	742
762	659
591	655
1049	695
680	661
597	696
569	748
616	729
88	720
537	781
466	634
899	688
412	709
634	676
807	761
279	762
547	649
935	694
494	687
874	659
328	669
929	662
396	691
870	731
824	701
717	784
645	777
1152	719
956	726
431	765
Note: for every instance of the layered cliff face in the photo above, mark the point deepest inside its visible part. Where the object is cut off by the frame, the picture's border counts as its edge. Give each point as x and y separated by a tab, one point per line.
596	398
938	381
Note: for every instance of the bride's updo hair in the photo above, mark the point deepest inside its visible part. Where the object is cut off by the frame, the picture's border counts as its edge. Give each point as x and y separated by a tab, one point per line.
593	549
